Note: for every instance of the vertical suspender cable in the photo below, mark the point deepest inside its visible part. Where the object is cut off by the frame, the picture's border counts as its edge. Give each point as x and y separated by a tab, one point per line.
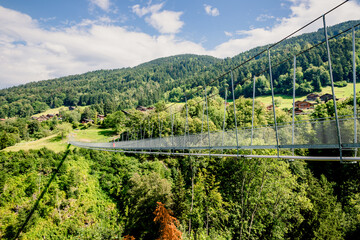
143	136
202	122
148	134
151	135
354	81
332	89
172	129
273	103
132	133
144	131
139	138
159	125
223	135
184	132
252	115
207	115
233	94
293	109
152	129
163	133
186	122
159	141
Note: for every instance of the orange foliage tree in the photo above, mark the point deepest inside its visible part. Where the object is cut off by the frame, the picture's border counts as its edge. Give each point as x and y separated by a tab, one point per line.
168	223
128	237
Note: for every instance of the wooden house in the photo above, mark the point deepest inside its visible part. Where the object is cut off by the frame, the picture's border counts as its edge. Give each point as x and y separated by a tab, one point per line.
141	108
87	121
303	105
312	97
144	109
326	97
270	107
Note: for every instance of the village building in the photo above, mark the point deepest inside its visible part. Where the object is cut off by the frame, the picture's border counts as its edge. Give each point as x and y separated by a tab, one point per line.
312	97
270	107
298	111
101	117
141	108
303	105
87	121
326	97
71	108
144	109
42	118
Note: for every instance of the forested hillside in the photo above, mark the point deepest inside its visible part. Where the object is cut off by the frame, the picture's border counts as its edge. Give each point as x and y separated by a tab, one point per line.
90	194
169	78
99	195
102	195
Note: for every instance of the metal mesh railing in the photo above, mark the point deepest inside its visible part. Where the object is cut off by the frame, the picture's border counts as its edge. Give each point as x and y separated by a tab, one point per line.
307	134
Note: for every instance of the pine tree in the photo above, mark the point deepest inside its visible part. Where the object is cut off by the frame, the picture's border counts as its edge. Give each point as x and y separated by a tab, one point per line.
179	197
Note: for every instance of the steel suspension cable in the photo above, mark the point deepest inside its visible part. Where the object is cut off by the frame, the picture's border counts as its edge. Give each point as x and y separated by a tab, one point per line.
332	88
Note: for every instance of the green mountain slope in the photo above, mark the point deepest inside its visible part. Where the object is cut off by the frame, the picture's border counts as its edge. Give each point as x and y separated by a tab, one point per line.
168	78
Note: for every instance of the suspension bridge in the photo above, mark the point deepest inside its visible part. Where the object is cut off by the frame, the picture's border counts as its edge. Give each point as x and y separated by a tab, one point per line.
337	134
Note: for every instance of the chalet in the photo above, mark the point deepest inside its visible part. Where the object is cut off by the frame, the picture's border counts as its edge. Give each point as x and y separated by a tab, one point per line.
50	115
144	109
71	108
141	108
298	111
87	121
42	118
270	107
326	97
303	105
312	97
101	117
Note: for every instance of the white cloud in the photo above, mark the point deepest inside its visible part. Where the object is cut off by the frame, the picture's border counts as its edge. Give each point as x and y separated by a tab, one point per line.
302	12
103	4
212	11
141	11
228	34
31	53
264	17
166	22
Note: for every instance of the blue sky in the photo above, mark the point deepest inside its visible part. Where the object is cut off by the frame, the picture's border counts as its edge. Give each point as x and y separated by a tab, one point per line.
42	39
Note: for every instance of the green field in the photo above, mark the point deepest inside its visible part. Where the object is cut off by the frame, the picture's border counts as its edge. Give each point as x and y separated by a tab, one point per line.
51	111
52	142
94	134
56	143
55	110
287	101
